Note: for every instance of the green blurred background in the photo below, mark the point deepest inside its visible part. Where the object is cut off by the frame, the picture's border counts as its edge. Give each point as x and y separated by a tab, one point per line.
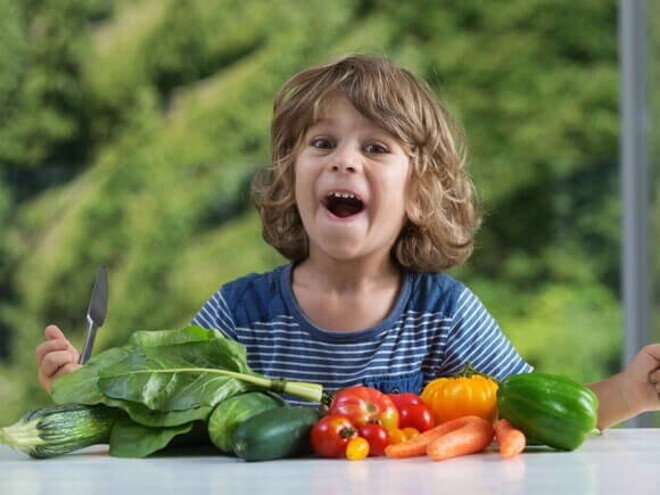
129	131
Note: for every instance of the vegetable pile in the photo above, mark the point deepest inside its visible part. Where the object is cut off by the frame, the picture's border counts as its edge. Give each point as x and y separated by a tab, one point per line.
160	385
362	422
193	387
453	416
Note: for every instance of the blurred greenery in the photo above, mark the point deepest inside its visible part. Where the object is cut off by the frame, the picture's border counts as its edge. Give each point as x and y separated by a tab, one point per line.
130	129
653	59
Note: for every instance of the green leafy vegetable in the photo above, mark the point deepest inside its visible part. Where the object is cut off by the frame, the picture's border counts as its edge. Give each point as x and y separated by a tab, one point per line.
165	380
80	386
143	415
129	439
175	377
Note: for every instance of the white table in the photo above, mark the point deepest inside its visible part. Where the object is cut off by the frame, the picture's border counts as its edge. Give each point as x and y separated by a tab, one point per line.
621	461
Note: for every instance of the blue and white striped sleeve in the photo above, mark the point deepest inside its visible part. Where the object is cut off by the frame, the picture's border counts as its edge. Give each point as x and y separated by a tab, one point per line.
476	338
215	314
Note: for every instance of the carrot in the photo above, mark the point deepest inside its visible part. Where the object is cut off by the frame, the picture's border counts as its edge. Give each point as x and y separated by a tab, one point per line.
417	446
512	440
473	435
413	447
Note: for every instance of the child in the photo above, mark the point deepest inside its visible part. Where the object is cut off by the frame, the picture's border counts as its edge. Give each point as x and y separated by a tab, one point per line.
368	198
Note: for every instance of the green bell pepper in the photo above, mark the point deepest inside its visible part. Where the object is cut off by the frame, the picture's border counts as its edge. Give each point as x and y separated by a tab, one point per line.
551	409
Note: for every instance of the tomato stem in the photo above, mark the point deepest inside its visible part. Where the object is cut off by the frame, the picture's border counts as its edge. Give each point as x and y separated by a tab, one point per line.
468	371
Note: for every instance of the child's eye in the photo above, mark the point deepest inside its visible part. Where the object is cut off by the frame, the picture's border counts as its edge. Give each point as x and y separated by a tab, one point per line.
321	143
375	148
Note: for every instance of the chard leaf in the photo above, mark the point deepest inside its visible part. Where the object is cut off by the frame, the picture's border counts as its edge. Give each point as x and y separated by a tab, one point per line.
81	385
129	439
179	376
148	417
160	338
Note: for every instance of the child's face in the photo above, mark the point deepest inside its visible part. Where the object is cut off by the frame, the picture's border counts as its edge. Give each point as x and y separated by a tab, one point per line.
351	182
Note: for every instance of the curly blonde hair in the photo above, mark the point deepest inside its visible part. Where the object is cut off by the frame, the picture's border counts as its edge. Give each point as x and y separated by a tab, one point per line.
441	211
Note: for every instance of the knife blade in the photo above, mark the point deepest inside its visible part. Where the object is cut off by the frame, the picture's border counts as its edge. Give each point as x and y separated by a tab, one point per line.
96	312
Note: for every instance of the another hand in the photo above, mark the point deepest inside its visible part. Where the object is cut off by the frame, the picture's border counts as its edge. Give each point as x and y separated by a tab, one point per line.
56	357
641	379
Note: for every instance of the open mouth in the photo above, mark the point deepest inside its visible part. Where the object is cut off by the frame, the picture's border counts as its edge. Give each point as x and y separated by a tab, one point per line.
343	205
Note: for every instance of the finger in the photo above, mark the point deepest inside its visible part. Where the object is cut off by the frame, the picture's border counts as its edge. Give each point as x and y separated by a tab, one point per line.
53	361
74	352
48	347
65	370
652	351
52	332
654	378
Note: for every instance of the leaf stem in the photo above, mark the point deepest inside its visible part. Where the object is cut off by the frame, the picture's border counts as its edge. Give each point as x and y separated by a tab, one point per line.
308	391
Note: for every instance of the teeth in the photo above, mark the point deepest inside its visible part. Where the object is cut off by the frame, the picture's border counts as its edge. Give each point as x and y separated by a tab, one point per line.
342	195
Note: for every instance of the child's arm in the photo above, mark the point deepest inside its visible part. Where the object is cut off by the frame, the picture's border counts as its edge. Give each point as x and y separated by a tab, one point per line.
56	357
633	391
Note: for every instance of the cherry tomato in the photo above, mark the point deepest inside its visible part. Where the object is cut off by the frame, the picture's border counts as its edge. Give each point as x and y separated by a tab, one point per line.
410	432
398	435
364	405
357	449
418	416
377	437
331	434
404	399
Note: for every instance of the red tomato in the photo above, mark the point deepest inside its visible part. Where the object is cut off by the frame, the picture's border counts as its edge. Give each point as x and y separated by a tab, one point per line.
404	399
418	416
377	437
364	405
331	434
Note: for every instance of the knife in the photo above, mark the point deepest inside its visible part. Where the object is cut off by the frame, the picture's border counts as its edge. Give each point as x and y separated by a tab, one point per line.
98	306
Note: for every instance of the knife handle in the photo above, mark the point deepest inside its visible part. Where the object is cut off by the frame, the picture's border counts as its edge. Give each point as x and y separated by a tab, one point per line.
90	335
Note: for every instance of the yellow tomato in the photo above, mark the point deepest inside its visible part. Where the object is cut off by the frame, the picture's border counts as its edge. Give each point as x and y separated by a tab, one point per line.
398	435
453	397
357	449
410	432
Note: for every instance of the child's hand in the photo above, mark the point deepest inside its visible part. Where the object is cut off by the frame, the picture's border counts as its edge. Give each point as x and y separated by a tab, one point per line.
642	379
55	357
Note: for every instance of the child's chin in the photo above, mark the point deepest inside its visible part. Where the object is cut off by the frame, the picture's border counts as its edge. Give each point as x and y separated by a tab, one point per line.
342	247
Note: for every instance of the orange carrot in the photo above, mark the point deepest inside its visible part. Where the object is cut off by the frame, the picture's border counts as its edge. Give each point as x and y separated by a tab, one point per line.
473	435
417	446
512	440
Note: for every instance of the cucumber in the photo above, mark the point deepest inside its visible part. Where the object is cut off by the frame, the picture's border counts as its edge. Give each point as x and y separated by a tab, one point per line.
275	434
227	415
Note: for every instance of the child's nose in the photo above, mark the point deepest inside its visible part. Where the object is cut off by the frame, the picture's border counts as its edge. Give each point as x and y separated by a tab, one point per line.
346	160
344	167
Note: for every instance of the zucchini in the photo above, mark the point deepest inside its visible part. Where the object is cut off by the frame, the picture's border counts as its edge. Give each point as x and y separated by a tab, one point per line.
275	434
60	429
227	415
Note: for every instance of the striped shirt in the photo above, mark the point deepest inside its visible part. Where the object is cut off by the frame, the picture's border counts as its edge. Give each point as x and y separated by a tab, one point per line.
436	326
